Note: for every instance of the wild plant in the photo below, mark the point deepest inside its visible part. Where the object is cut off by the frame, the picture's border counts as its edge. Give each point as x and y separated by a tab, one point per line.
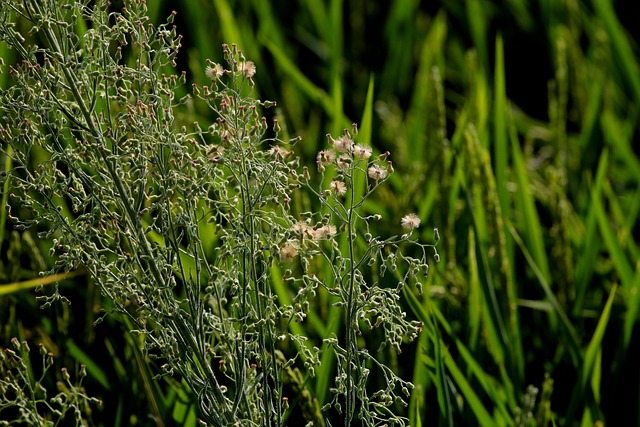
24	397
184	225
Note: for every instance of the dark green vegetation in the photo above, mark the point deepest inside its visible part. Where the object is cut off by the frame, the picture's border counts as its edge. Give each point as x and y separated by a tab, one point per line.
512	130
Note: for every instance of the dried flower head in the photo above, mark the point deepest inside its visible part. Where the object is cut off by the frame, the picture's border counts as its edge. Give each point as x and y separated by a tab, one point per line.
288	252
326	157
362	152
214	72
376	173
324	232
410	221
277	151
215	153
339	188
248	69
343	144
303	228
343	161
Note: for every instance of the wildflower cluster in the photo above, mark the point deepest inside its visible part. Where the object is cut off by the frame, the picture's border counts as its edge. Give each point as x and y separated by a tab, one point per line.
359	261
184	226
177	224
24	397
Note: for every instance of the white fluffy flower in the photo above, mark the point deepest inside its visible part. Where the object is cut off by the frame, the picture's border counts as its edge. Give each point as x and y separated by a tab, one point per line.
410	221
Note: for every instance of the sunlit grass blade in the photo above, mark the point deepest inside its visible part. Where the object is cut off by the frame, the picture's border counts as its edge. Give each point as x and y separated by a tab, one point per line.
499	168
500	395
444	394
364	138
282	293
183	407
9	288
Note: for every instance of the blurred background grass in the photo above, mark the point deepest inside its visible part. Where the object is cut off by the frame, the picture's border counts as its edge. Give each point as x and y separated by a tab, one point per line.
512	126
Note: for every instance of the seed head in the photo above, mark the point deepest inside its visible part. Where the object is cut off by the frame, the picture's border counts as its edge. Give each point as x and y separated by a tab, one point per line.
410	221
362	151
248	69
343	144
339	188
288	253
214	72
326	157
376	173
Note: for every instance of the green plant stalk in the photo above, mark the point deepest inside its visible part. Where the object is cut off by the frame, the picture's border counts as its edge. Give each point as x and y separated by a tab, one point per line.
351	347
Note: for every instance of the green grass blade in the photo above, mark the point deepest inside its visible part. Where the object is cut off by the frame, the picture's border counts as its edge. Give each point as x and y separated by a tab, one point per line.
398	66
319	15
430	51
591	244
325	372
633	308
490	385
478	25
498	394
199	16
229	26
570	332
94	370
618	257
366	123
444	396
620	146
500	134
621	45
471	398
299	79
336	42
475	293
4	203
595	345
527	208
421	380
431	329
281	291
591	356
